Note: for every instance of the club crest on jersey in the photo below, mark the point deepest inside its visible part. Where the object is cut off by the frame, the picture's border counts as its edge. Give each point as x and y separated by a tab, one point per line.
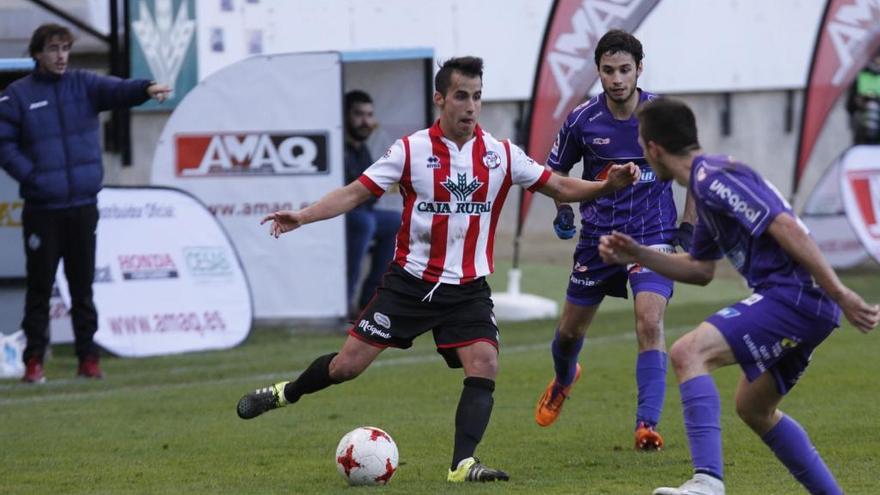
461	189
600	140
701	174
433	162
491	160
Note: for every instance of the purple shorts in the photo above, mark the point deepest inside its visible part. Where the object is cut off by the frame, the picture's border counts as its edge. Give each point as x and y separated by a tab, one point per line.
766	334
592	279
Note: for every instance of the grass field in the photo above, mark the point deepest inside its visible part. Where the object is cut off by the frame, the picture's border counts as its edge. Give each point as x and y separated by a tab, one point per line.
167	425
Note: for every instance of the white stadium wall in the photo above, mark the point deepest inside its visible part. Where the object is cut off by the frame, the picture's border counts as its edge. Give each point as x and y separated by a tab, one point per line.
707	54
694	49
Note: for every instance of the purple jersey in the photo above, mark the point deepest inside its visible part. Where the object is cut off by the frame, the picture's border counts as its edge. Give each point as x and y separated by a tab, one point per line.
645	210
735	206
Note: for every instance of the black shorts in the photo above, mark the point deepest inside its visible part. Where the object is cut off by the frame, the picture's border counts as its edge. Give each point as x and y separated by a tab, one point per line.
458	315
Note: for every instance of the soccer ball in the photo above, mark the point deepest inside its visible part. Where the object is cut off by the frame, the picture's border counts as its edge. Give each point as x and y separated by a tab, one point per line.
366	456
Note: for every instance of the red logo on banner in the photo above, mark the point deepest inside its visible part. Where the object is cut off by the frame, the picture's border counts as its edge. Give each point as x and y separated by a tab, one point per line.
252	153
147	266
866	191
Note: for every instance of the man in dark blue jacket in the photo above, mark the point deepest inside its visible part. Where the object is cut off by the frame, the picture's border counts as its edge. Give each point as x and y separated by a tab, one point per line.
49	143
366	223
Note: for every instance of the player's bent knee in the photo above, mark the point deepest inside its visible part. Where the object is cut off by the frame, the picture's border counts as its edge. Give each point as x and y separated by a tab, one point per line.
484	365
649	327
486	368
683	354
650	334
758	419
572	332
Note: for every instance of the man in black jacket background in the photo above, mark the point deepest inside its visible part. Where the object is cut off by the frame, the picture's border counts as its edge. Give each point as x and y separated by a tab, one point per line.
49	144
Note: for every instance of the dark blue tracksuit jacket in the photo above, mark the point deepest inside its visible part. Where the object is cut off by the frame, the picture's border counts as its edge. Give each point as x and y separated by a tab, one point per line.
49	139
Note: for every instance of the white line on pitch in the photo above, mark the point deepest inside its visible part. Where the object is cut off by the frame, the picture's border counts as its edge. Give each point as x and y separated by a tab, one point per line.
256	378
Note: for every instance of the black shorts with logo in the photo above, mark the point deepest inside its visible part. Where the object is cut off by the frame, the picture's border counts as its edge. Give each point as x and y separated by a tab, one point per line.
458	315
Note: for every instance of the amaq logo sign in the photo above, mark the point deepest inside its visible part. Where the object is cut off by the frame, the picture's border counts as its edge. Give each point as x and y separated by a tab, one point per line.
866	192
849	31
255	153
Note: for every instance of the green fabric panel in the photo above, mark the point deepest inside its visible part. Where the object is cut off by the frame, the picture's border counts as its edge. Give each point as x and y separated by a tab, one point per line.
868	84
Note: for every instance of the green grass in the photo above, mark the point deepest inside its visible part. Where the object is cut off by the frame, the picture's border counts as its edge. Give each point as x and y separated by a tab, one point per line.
167	425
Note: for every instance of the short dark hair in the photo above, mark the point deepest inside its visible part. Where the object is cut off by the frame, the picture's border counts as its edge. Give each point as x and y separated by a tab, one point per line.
468	66
356	96
43	33
618	40
669	123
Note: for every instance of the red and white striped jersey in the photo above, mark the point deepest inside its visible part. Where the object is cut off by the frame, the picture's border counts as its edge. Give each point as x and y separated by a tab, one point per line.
452	200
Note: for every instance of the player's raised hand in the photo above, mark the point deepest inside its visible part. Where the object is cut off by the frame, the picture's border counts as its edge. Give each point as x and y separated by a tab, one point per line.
283	221
620	176
618	248
563	224
861	314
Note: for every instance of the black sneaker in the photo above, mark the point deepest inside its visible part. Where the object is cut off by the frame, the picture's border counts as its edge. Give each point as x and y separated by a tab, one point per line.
264	399
470	469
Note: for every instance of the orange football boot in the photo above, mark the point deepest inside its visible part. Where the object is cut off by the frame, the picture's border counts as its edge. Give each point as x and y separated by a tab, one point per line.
647	439
550	404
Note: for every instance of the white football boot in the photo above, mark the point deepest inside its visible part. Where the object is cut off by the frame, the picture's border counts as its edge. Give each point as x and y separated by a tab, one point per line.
700	484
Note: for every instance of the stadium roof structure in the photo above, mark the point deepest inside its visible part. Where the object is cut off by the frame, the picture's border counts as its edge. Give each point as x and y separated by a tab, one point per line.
16	64
386	55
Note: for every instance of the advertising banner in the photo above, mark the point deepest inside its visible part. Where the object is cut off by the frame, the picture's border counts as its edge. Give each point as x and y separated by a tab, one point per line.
860	188
167	279
163	47
11	244
825	217
566	68
60	326
848	34
261	135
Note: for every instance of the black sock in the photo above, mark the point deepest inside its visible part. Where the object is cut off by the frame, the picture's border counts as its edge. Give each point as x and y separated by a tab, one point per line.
472	416
316	377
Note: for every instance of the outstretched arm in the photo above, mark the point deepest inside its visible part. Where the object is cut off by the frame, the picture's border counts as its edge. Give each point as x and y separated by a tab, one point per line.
786	230
571	190
561	174
621	249
334	203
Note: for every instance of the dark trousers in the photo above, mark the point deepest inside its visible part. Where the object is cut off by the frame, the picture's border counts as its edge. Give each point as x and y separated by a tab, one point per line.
49	236
363	225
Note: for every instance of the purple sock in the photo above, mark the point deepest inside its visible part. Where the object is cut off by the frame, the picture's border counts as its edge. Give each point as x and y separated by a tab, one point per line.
792	446
651	379
702	421
565	358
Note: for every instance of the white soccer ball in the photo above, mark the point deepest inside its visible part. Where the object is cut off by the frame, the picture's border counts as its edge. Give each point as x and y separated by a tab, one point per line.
366	456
